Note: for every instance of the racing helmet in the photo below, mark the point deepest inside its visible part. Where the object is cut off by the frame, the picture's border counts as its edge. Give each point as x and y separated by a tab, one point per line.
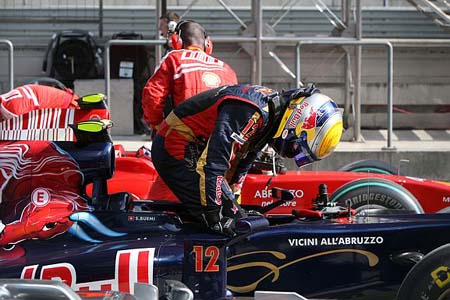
310	129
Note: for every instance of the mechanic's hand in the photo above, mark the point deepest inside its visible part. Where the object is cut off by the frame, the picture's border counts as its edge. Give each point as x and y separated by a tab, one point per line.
145	151
74	104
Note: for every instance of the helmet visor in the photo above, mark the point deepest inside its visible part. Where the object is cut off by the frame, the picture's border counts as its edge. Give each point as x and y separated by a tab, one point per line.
301	153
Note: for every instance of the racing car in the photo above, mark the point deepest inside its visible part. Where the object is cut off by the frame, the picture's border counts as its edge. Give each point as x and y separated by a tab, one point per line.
51	228
363	185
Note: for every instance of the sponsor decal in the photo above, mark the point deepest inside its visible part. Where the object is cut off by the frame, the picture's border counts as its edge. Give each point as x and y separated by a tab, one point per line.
285	204
131	265
134	218
310	120
218	199
364	198
264	90
446	199
200	56
336	241
294	120
248	130
211	80
40	197
267	193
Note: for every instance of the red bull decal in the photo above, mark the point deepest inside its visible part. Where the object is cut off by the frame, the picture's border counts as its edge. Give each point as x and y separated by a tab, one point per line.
131	265
311	120
294	120
218	199
39	191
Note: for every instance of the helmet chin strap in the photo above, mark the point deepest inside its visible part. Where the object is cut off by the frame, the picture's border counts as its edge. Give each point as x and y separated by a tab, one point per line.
276	109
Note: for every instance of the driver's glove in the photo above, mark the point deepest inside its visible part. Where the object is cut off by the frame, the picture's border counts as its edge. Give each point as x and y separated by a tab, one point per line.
224	226
218	223
301	92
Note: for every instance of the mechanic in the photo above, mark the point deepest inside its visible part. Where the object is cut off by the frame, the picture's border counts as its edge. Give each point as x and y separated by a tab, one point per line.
167	25
206	145
184	72
26	98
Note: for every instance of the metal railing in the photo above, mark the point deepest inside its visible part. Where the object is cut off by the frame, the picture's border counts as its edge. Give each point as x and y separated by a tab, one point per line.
108	46
297	42
390	80
10	46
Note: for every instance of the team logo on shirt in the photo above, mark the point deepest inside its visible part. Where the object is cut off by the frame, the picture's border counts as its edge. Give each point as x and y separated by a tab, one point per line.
248	131
211	80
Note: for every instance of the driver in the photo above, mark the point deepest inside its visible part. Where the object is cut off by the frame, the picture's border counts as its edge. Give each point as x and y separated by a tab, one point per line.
207	144
26	98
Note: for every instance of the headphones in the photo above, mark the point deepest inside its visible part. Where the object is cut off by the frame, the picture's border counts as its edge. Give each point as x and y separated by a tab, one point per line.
177	43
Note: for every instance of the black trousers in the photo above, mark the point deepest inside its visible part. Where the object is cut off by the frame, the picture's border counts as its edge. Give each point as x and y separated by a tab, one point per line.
181	177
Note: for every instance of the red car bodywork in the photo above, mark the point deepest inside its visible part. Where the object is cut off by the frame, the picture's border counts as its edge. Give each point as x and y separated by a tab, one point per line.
48	124
137	176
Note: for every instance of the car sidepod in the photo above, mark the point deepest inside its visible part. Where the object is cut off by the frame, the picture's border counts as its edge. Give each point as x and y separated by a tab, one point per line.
342	261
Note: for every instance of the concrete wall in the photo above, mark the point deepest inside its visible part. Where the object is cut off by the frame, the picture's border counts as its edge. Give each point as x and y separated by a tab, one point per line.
413	162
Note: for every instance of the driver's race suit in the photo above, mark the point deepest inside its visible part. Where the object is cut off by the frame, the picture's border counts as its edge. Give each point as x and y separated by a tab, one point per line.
209	142
26	98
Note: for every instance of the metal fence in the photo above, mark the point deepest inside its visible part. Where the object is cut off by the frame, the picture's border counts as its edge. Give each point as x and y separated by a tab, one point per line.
10	47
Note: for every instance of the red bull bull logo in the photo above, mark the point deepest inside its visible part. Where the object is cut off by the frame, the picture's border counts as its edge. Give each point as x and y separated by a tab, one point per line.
311	120
40	194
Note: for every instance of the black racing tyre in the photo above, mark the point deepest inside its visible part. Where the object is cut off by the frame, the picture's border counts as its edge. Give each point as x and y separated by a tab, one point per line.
370	166
428	279
375	193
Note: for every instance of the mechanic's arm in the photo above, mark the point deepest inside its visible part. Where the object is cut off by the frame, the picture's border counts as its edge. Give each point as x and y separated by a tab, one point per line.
156	91
232	128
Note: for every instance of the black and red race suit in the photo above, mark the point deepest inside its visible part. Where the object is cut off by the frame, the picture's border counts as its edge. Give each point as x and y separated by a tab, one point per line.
209	142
